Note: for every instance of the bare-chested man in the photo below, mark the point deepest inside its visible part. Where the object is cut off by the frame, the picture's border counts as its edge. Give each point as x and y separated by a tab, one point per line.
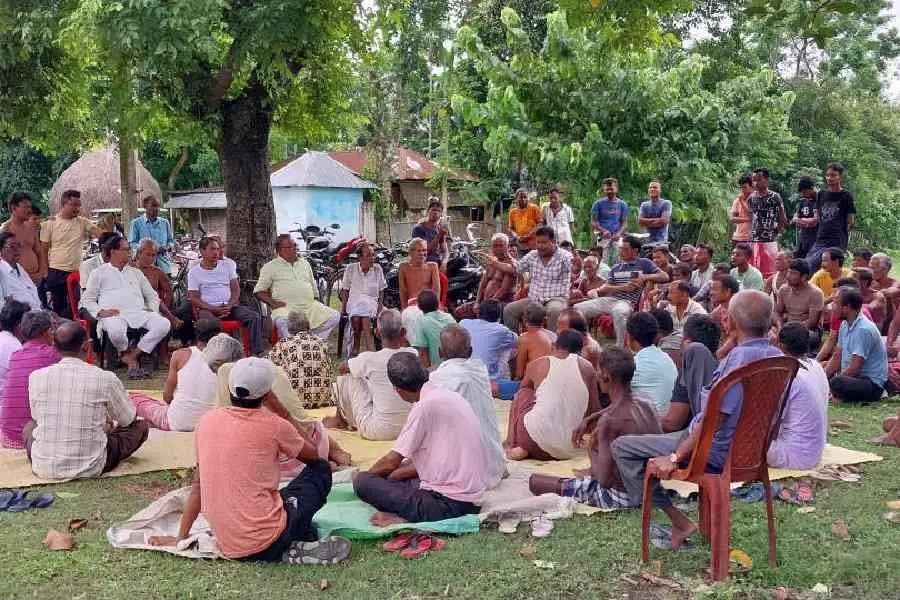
600	485
415	276
872	298
572	319
557	393
536	341
495	284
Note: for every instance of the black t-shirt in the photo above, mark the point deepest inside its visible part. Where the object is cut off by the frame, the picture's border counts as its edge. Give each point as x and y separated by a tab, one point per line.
833	209
806	236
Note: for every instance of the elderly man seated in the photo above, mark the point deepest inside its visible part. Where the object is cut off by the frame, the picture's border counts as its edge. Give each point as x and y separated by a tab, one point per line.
467	376
304	357
858	368
120	298
286	283
215	291
15	282
145	260
366	400
445	475
83	424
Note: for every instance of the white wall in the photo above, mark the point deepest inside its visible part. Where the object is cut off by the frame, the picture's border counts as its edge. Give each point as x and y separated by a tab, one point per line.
299	207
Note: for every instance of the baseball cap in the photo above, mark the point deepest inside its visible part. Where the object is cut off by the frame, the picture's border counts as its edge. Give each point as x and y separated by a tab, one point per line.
251	378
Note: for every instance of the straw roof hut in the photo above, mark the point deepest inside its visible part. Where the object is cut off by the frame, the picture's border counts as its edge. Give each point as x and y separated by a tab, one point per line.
96	176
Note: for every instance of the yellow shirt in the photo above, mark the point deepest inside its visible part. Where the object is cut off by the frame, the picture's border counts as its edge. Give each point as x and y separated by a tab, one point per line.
294	285
822	280
523	220
65	237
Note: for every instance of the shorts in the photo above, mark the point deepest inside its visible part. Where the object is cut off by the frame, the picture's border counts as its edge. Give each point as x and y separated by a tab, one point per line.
588	491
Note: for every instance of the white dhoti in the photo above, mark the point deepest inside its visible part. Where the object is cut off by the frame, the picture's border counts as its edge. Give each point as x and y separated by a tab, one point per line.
410	318
361	305
357	408
332	318
116	328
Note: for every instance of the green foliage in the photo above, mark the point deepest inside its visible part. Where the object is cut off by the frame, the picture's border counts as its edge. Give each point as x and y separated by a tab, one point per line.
27	169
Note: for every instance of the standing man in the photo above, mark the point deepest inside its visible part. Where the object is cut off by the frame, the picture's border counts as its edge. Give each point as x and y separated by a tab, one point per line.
558	216
524	220
61	238
19	224
858	367
767	221
435	233
609	219
549	286
740	210
655	214
151	225
286	283
837	214
806	219
214	291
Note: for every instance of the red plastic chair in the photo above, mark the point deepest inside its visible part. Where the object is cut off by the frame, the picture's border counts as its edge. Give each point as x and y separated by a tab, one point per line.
73	291
766	383
231	327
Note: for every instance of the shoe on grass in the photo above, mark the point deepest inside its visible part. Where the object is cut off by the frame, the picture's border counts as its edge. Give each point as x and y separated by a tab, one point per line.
327	551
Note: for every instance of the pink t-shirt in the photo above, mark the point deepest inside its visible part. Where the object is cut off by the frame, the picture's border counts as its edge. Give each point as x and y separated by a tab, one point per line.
237	454
442	437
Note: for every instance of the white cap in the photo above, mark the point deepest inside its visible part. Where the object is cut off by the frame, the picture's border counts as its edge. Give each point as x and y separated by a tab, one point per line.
253	377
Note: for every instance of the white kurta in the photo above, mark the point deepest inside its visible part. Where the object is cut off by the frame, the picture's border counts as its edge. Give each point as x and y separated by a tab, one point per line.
126	290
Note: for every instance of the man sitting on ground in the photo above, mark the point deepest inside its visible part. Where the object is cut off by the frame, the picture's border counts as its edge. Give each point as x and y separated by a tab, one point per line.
120	298
428	329
461	373
557	393
366	400
750	314
655	372
780	277
304	357
800	301
698	362
832	270
667	338
572	319
804	420
681	306
536	341
83	423
857	369
238	448
834	322
416	275
444	476
601	485
747	276
492	342
723	290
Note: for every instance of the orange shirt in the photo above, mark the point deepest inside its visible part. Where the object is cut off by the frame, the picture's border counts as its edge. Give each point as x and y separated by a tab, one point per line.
523	220
237	454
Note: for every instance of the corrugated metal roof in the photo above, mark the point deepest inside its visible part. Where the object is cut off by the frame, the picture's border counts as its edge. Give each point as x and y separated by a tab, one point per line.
407	165
199	199
317	169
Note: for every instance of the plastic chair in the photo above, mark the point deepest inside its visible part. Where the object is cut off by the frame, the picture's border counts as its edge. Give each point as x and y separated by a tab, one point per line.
766	383
231	327
73	292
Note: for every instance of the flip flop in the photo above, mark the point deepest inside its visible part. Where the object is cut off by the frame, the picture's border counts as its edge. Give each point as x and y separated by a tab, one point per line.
541	527
327	551
10	497
42	500
136	373
400	541
421	545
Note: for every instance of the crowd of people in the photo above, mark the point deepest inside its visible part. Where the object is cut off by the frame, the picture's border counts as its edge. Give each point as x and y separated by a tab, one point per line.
676	328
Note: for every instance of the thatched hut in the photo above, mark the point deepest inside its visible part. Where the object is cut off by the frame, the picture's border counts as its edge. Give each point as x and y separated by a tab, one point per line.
96	176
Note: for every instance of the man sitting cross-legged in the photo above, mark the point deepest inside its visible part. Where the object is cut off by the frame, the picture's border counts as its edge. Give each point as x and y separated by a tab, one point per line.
858	367
304	357
366	400
750	313
83	423
699	343
536	341
492	342
445	474
428	328
804	421
236	480
572	319
557	393
601	486
121	298
800	301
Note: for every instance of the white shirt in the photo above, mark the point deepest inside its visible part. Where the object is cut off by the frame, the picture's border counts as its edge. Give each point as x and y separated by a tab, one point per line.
87	267
388	409
699	278
8	344
18	284
364	289
214	285
693	308
126	290
560	223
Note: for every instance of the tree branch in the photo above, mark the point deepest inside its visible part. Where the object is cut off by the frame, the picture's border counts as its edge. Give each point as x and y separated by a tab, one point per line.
173	175
223	79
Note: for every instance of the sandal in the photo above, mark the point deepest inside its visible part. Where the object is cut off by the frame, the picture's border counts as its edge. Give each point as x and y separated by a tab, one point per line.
327	551
400	541
42	500
422	544
137	373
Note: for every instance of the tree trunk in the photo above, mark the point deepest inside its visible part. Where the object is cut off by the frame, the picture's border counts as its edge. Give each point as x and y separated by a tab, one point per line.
176	170
244	154
127	183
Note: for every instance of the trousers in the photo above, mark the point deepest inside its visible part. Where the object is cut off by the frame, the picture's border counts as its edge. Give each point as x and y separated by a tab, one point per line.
631	453
116	328
512	312
619	310
407	500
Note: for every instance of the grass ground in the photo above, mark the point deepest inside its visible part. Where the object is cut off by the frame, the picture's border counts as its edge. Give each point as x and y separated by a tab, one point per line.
590	554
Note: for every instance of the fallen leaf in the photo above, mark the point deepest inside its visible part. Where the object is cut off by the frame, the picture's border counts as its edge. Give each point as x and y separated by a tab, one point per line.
821	589
805	510
741	559
655	580
67	495
543	564
837	424
894	505
527	551
323	585
76	524
59	541
782	593
840	530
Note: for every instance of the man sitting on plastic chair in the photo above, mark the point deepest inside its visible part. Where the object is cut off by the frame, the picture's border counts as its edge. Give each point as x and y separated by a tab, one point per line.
750	312
121	298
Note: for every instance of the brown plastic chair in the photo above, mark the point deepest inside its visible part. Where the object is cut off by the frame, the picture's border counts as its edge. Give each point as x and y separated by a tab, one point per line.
766	384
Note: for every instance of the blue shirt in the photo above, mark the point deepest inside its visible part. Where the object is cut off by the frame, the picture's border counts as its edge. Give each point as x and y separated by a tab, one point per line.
655	210
740	355
863	339
490	342
160	231
654	378
610	214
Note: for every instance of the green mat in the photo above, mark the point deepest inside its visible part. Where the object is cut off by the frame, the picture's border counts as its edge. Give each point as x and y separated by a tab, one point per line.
346	515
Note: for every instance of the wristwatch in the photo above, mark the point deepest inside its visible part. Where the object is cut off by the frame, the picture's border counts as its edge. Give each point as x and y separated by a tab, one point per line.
674	458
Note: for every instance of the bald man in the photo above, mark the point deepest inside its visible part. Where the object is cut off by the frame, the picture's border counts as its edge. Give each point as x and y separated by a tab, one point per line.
750	313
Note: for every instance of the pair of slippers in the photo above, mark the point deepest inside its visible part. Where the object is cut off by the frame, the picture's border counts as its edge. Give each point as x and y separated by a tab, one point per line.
411	544
16	501
801	493
139	373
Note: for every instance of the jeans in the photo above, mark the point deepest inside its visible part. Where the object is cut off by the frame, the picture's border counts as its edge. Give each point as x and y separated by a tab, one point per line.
249	319
855	389
631	453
